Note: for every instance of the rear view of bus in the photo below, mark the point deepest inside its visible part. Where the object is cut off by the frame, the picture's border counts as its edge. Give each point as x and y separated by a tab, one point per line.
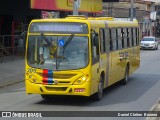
57	58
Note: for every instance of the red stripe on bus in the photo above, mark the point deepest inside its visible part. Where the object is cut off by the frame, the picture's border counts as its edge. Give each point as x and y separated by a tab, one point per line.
45	76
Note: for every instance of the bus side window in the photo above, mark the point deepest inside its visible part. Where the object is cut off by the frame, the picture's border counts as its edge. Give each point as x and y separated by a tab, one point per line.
125	37
114	39
122	36
102	40
119	39
107	38
110	37
95	44
127	32
132	38
137	36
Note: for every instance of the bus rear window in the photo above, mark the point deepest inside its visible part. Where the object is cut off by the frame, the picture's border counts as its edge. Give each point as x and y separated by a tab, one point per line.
59	27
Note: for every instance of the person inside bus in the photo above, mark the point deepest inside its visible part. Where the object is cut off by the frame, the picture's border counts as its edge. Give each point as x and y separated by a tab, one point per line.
47	52
53	49
44	52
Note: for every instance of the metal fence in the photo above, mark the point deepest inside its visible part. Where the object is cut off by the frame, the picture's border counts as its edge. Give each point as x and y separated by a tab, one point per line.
12	47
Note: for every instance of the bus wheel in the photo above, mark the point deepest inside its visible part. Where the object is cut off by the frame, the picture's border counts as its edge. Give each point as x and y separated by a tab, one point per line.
126	77
98	95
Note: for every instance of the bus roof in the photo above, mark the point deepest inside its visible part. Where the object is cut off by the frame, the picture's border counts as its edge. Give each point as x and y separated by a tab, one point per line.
95	21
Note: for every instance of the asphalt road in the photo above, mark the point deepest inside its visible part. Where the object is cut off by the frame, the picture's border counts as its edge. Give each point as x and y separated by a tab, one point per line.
140	94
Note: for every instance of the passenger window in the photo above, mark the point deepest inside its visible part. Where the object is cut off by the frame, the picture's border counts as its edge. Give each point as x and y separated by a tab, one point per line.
107	36
128	41
137	36
95	44
134	36
122	36
102	40
130	36
114	38
119	38
111	42
125	37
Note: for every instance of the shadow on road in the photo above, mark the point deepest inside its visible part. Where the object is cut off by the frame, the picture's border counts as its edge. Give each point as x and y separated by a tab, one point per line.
137	86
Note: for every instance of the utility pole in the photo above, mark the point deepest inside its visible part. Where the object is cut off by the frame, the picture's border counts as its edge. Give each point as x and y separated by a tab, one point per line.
110	5
152	24
76	6
132	7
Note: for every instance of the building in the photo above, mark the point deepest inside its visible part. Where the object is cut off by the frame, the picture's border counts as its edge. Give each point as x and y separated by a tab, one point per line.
157	9
15	15
143	9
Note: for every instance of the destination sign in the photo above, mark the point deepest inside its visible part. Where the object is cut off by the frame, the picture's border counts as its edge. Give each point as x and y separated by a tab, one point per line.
59	27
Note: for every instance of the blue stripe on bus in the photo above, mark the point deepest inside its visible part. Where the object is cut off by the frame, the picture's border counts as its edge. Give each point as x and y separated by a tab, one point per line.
50	76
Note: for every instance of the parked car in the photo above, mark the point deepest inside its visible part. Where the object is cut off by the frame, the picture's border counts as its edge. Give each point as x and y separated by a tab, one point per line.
149	42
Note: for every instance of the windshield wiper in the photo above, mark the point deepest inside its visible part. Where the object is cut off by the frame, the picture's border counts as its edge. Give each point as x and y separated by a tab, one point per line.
47	41
64	47
67	42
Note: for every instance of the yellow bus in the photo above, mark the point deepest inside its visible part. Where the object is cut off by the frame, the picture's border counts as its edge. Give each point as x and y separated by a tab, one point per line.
80	56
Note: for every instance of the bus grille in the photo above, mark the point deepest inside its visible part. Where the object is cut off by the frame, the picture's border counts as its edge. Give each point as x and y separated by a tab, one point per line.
56	88
63	76
59	76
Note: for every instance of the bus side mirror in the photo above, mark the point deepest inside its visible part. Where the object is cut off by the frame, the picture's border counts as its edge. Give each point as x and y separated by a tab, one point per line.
24	35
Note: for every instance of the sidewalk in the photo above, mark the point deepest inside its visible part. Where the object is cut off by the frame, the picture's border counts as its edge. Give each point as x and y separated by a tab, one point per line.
11	72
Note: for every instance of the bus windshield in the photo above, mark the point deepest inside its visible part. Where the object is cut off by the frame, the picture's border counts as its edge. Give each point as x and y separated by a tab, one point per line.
58	52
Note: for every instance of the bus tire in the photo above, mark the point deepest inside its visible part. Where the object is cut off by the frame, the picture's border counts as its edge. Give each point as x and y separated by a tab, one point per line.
98	95
126	77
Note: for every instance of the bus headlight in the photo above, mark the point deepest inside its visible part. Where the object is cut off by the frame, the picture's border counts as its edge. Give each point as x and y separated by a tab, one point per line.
81	80
33	79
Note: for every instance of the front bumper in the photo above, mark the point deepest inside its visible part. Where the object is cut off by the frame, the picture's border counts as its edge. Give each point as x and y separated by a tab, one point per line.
80	90
148	47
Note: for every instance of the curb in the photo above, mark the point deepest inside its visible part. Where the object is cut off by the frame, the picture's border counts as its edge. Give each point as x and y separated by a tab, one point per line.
156	107
11	83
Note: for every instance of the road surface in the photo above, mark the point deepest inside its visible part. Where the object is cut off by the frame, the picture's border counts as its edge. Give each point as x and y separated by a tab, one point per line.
140	94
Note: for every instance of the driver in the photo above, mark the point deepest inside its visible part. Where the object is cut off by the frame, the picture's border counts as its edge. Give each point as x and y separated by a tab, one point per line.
46	51
53	49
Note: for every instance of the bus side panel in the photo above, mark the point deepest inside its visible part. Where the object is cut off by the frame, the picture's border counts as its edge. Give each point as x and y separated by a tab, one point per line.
114	75
104	67
95	78
135	63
